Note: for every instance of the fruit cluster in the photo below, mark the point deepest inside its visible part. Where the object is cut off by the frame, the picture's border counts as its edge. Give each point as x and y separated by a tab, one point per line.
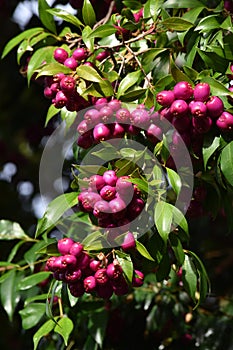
111	120
112	201
83	273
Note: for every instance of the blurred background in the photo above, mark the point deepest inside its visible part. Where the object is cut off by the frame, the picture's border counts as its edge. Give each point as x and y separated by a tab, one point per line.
22	139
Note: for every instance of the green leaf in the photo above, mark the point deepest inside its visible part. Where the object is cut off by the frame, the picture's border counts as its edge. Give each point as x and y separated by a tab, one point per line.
32	280
130	80
176	23
152	8
209	147
207	23
45	17
193	14
55	210
68	116
16	40
133	95
177	248
9	294
174	180
14	251
226	162
23	47
12	230
32	314
88	13
126	264
182	4
163	219
151	54
39	58
213	61
102	31
64	327
32	254
189	277
52	69
89	42
178	75
143	251
66	16
52	111
89	73
43	331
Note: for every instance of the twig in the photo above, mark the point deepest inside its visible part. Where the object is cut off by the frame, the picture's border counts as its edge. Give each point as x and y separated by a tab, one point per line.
107	17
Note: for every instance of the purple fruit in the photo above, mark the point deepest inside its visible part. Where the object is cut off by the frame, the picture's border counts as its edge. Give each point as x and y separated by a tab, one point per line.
114	271
68	84
179	108
85	141
60	99
48	93
76	289
165	97
83	260
154	133
118	130
101	276
132	129
102	55
225	121
76	249
110	177
201	92
64	245
101	102
202	125
101	132
183	90
96	182
128	242
92	116
140	118
60	55
198	109
165	113
94	265
108	192
88	200
124	187
118	208
135	207
114	104
69	261
120	286
73	276
214	106
101	209
123	115
106	114
89	284
80	54
50	264
104	291
181	124
71	63
138	278
82	127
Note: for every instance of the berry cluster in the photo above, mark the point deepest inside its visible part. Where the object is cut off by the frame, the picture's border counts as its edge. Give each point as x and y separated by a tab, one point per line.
112	120
83	273
193	111
112	201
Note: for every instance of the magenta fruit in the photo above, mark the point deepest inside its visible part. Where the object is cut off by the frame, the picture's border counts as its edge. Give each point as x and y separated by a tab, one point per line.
124	187
83	260
71	63
179	108
138	278
128	242
201	92
120	286
214	106
76	289
60	99
88	200
64	245
60	55
114	271
92	116
181	124
110	177
104	291
82	127
202	125
114	104
198	109
154	133
101	209
85	141
94	265
118	130
183	90
106	114
102	55
108	192
165	97
225	121
123	115
96	182
89	284
101	276
140	118
101	132
135	207
68	84
118	208
76	249
73	276
79	54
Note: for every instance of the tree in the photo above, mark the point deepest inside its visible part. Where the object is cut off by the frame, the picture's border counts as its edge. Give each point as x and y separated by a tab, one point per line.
141	95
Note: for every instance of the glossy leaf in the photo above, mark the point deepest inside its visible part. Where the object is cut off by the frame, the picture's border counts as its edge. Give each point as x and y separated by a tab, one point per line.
32	280
151	54
174	180
88	13
44	330
133	95
163	219
45	17
178	75
226	162
189	277
55	210
176	23
17	40
89	73
177	248
89	42
64	327
209	147
8	293
207	23
52	111
52	69
126	264
66	16
143	251
32	314
130	80
39	58
12	230
217	88
182	4
102	31
32	254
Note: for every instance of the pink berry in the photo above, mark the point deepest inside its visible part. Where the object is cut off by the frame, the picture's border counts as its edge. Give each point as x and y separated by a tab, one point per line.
138	278
214	106
118	130
96	182
140	118
225	121
88	200
198	109
114	104
73	276
60	55
80	54
181	124
179	108
183	90
154	133
71	63
92	116
68	84
202	125
101	209
114	271
106	114
101	132
108	192
102	55
124	187
76	289
82	127
89	284
76	249
128	242
110	177
123	115
165	97
85	141
201	92
118	208
104	291
94	265
64	245
101	276
60	99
